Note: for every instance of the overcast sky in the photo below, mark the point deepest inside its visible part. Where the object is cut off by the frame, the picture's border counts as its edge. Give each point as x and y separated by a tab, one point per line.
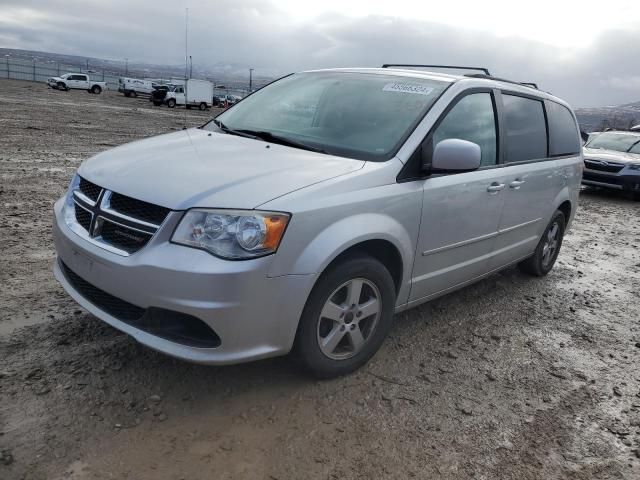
586	52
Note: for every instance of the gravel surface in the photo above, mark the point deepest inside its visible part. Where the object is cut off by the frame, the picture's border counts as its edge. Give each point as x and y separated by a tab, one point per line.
512	378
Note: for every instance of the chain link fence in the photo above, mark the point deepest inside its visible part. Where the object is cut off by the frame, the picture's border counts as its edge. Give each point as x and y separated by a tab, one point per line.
17	69
34	71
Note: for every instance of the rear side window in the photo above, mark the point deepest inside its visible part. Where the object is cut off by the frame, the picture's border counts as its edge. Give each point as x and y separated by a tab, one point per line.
472	119
525	129
563	133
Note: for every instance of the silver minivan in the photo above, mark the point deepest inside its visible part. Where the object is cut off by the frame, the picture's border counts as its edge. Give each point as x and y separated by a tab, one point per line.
306	215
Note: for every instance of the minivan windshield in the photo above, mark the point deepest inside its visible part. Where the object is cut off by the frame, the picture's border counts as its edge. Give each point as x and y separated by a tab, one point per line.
357	115
620	142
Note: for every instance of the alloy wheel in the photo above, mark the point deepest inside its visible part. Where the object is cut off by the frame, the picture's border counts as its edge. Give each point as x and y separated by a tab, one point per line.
348	318
550	246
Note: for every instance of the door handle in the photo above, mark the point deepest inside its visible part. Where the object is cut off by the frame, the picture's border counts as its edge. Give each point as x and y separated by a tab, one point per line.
516	184
495	187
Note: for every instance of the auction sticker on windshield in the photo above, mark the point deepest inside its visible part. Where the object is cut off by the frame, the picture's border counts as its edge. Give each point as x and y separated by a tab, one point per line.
407	88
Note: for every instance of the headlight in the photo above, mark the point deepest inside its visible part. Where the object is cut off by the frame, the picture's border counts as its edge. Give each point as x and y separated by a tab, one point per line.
635	166
232	234
69	210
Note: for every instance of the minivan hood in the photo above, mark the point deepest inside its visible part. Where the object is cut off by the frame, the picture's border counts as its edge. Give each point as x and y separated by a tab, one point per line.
610	155
197	168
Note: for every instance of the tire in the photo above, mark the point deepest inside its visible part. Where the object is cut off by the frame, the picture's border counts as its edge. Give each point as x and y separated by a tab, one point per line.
127	93
203	106
542	261
96	89
633	195
188	107
157	104
325	346
171	103
62	86
134	94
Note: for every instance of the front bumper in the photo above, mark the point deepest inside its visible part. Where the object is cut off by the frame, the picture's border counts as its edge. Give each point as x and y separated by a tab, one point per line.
626	179
254	316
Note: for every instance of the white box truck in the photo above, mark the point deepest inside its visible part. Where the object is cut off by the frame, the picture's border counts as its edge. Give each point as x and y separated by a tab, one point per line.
194	93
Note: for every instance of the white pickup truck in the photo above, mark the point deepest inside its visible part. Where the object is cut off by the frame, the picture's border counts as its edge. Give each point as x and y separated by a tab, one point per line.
76	81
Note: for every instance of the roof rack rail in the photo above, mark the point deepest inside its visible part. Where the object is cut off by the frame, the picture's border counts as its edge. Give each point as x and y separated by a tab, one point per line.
452	67
480	75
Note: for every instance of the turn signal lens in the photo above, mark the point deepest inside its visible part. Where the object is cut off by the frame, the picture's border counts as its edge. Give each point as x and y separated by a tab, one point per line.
276	225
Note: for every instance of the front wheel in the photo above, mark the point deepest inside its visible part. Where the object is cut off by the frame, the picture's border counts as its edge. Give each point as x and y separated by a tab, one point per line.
546	253
171	103
62	86
346	318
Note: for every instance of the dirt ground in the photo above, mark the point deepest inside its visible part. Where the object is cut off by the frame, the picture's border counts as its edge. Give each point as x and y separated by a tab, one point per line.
512	378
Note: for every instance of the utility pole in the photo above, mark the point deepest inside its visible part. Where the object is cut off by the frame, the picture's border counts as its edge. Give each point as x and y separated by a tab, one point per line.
126	67
250	79
87	64
186	40
190	66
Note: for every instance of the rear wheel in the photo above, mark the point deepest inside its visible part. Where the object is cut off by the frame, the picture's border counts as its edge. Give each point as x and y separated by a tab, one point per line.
546	253
346	318
96	89
203	106
171	103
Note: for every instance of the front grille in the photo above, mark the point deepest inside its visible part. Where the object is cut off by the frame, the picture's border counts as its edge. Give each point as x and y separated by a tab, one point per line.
123	237
121	222
598	177
90	190
138	209
112	305
609	167
83	217
177	327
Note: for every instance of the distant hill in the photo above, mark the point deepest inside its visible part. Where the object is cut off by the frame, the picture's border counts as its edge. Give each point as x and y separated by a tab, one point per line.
621	116
232	75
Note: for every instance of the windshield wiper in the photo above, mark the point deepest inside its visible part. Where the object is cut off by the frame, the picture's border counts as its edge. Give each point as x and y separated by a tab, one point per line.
231	131
270	137
632	146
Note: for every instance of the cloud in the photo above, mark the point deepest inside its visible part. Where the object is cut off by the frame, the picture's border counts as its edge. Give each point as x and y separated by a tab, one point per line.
260	34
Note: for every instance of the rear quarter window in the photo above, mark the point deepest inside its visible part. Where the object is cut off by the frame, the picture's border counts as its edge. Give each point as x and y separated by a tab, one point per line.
563	132
525	129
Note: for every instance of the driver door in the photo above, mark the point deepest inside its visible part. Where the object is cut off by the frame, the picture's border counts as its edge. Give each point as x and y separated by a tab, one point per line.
460	212
180	96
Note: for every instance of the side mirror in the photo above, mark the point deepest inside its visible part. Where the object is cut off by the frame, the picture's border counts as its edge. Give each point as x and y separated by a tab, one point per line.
454	156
